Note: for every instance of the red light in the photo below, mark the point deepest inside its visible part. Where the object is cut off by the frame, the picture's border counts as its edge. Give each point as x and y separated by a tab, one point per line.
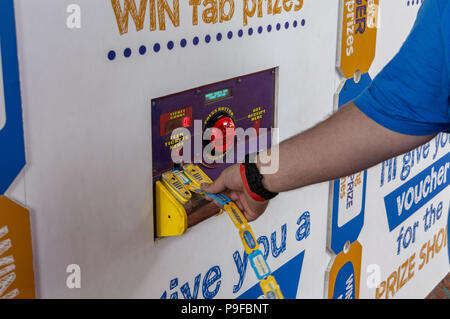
227	130
186	121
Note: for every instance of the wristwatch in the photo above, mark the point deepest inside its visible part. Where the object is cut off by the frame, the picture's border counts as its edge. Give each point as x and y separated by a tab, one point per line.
252	180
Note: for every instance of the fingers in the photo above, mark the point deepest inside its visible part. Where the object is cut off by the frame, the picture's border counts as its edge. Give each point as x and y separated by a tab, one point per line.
229	179
217	187
230	183
249	214
237	199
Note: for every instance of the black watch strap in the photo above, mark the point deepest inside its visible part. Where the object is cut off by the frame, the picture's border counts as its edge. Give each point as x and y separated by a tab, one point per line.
254	178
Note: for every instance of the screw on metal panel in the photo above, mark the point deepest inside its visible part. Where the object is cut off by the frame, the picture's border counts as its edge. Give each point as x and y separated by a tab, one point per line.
197	91
239	81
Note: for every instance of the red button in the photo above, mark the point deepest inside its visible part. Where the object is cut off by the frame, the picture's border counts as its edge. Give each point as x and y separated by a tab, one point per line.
225	129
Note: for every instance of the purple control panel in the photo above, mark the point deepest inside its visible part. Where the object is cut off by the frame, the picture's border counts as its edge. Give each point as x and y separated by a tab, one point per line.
247	101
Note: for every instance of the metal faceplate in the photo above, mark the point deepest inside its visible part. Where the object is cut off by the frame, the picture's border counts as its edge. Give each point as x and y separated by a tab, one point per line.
249	100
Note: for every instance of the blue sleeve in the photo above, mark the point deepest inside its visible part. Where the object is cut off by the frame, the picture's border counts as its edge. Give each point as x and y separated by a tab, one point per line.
411	94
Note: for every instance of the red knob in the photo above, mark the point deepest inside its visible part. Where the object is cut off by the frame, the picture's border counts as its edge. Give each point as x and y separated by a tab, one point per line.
223	133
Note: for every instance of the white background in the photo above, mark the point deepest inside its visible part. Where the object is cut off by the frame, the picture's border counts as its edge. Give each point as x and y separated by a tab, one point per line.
87	130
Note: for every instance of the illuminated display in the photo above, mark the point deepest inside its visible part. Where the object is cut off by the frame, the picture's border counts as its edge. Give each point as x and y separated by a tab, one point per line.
218	95
176	119
186	121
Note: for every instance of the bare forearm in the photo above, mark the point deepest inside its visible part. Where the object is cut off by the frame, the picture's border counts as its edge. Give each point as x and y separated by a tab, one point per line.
344	144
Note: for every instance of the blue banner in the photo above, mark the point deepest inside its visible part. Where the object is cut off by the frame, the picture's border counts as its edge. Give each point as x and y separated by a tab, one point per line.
348	208
345	286
411	196
12	147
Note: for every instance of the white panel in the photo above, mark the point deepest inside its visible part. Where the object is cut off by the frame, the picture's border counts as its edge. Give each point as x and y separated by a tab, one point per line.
87	124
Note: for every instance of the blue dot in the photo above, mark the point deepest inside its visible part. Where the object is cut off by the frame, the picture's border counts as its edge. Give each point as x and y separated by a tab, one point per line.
142	49
170	45
250	31
127	52
286	25
196	40
269	28
156	47
303	22
278	26
260	30
219	36
207	38
183	43
295	23
230	35
240	33
111	55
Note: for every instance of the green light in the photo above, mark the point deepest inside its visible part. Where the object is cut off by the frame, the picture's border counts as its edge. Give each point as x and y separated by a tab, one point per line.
217	95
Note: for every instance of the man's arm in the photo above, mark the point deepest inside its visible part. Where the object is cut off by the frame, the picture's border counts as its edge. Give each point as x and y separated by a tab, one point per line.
409	99
344	144
347	143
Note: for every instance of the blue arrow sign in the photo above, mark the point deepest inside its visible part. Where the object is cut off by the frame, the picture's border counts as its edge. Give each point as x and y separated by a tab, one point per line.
287	276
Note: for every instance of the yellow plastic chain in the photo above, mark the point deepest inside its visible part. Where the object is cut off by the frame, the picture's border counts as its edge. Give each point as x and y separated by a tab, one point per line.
193	178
